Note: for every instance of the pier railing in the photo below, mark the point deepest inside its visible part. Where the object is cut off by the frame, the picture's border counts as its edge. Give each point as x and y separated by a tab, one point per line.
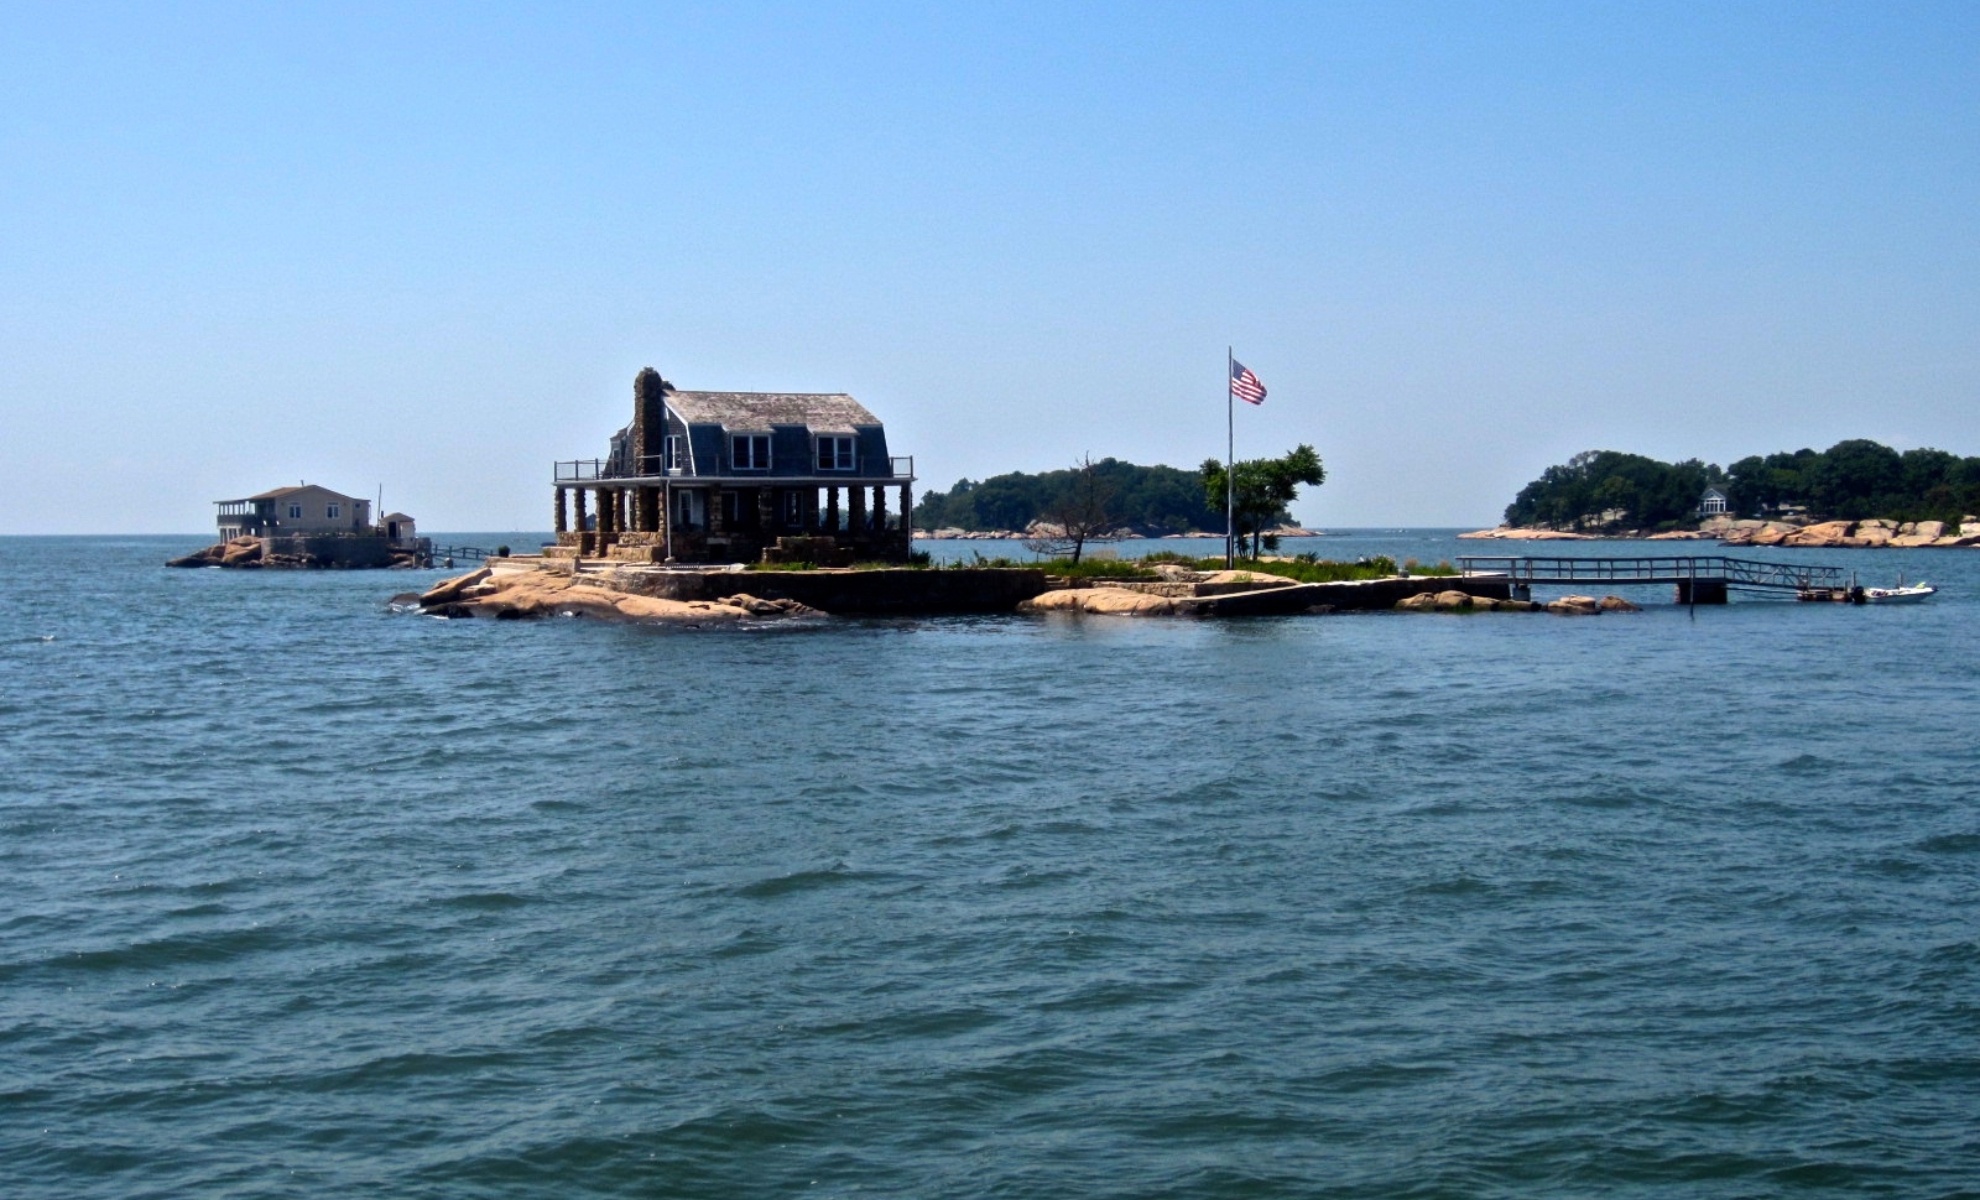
1705	568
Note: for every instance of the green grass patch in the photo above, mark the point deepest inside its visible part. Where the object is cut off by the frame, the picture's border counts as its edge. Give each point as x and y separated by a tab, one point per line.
1089	568
1441	569
1097	568
1312	570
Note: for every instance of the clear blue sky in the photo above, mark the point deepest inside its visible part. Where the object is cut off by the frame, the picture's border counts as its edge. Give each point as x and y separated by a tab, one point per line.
428	246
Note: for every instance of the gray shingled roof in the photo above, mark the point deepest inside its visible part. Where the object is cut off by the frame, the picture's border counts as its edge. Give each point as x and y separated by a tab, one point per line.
760	410
278	493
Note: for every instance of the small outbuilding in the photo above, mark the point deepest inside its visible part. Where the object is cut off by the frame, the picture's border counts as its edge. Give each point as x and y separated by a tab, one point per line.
398	527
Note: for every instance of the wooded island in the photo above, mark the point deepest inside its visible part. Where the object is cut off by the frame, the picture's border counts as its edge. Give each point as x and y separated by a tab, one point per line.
1607	490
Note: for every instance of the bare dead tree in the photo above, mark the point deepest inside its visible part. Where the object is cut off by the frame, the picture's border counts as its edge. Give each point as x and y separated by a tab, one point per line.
1082	513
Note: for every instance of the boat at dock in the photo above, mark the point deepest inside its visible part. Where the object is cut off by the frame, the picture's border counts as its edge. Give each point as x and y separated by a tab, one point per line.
1901	594
1898	595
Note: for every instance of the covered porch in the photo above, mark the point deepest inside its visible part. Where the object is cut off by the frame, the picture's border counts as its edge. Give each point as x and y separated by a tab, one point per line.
644	519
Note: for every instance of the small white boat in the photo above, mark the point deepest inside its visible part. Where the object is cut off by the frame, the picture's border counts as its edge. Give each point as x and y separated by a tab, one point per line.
1898	595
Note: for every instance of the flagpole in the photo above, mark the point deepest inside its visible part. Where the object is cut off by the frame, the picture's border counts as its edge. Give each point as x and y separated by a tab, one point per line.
1230	464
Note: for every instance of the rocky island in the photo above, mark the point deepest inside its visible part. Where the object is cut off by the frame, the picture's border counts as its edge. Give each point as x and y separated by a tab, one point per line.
1856	494
1870	534
306	527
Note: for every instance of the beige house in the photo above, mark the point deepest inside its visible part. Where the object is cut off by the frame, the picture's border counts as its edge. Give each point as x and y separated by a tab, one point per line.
307	508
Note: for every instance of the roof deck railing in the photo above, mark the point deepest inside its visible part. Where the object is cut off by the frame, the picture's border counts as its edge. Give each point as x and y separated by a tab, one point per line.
591	470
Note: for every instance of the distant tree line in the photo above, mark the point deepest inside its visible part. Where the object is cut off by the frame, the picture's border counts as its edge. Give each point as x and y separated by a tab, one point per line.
1857	479
1149	501
1851	480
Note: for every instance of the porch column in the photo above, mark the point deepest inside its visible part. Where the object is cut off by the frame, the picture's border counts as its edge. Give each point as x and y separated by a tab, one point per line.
766	510
583	518
563	524
879	508
608	512
714	511
649	509
856	514
666	526
832	510
907	516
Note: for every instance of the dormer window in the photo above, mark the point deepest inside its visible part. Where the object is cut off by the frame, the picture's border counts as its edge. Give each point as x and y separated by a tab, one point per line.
750	451
670	453
835	453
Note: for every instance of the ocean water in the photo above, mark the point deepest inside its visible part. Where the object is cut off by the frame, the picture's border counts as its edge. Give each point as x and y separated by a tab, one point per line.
303	898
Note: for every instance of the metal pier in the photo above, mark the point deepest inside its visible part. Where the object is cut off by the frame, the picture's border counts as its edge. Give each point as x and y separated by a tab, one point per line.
1699	579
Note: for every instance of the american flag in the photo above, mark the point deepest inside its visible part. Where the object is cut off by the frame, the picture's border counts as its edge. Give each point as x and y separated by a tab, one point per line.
1245	385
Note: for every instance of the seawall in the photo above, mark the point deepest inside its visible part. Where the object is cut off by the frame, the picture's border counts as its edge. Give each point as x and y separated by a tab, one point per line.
853	593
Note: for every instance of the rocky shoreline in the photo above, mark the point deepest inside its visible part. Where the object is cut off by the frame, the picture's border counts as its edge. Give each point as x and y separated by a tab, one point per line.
519	588
515	595
249	553
1868	534
1464	602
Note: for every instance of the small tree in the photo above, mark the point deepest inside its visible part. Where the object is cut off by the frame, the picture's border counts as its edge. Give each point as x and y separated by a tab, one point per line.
1265	486
1082	512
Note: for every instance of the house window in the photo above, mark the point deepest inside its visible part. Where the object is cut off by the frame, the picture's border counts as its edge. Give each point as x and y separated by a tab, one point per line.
295	512
835	454
331	511
670	452
750	452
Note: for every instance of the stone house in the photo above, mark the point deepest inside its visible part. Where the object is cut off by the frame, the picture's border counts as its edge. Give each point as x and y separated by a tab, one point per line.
726	476
307	508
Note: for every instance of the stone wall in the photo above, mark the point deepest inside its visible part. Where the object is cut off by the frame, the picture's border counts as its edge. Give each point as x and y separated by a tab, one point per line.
868	593
331	549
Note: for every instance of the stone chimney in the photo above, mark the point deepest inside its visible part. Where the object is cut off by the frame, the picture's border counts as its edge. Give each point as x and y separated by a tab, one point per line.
649	423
